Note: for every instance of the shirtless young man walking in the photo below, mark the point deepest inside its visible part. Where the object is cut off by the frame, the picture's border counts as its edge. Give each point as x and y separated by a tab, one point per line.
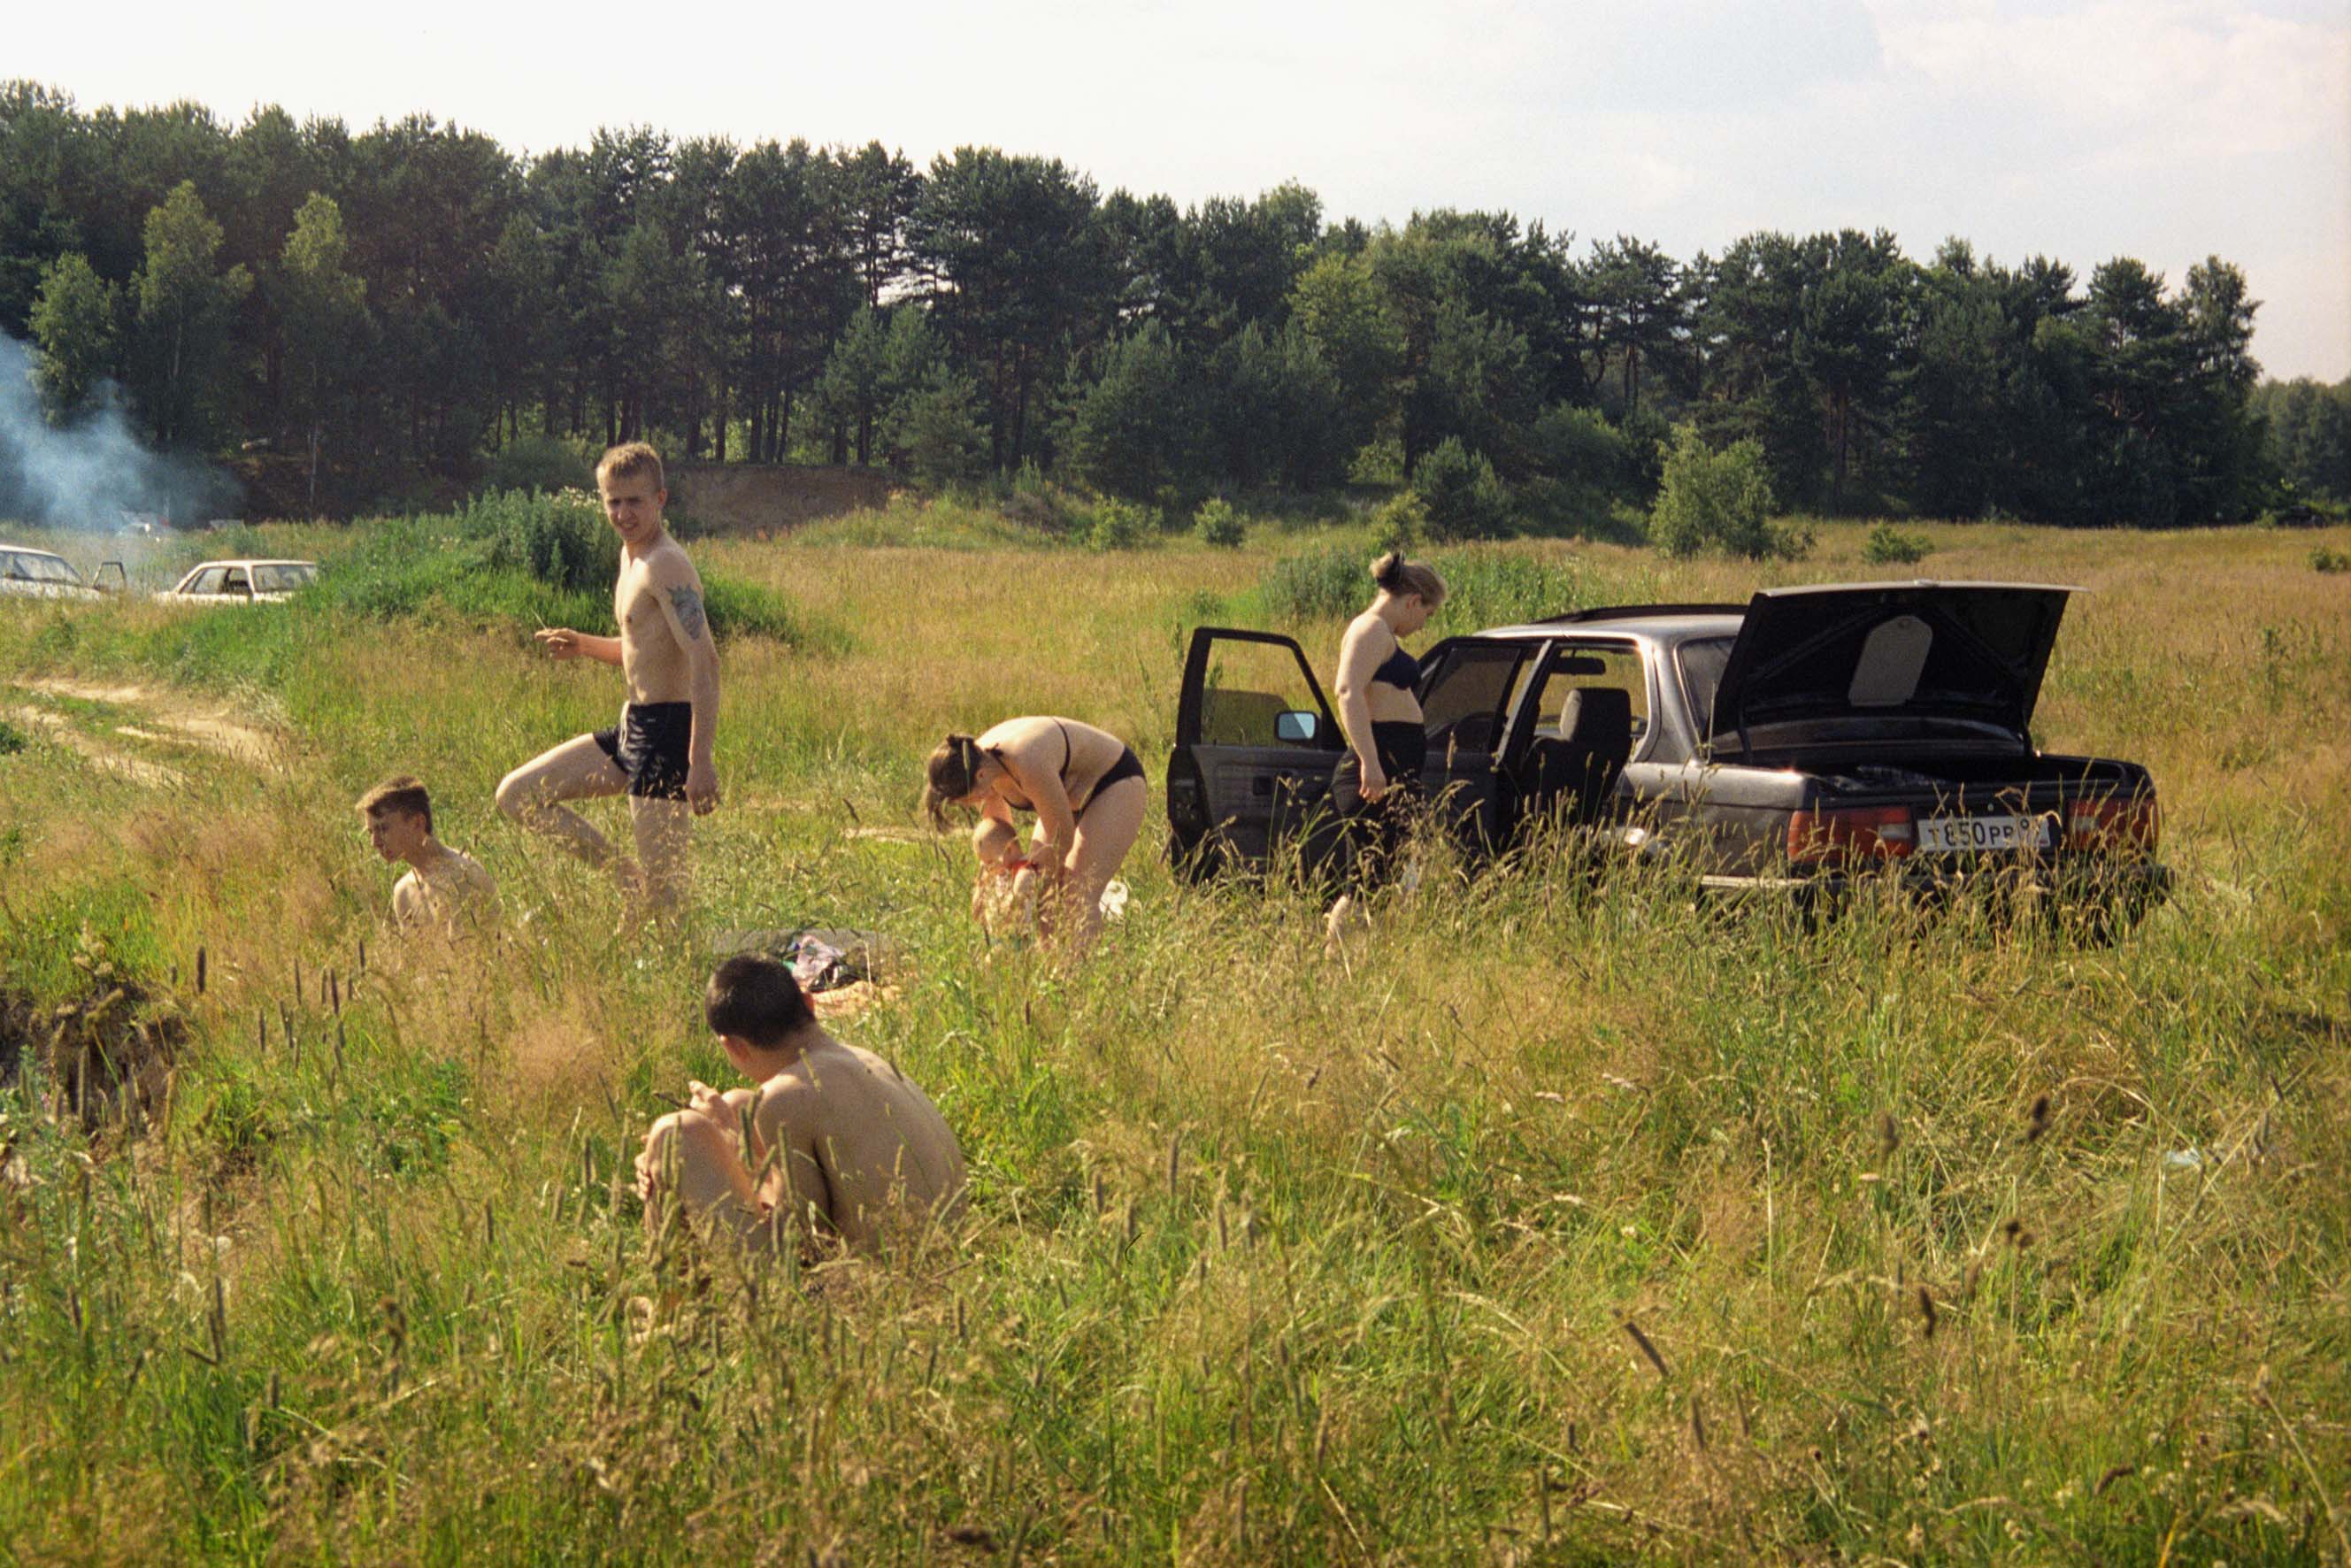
659	754
835	1144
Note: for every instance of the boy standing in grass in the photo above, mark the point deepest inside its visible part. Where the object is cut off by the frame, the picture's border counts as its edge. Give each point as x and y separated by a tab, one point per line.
659	754
441	885
834	1142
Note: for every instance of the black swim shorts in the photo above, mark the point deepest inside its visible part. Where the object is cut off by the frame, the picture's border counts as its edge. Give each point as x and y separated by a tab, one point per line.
651	745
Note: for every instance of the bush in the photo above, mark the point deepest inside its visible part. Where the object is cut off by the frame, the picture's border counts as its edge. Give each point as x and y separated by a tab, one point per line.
515	561
1578	446
12	739
1400	523
1378	462
1121	525
1464	498
1483	587
1889	546
1329	582
1720	501
1036	502
1496	588
1218	524
537	463
560	538
2329	561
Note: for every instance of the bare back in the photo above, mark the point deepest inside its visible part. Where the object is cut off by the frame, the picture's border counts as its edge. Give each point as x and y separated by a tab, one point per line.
1075	751
652	660
861	1150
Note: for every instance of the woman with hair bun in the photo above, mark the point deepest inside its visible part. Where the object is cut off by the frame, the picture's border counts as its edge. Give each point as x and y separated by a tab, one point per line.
1086	787
1378	780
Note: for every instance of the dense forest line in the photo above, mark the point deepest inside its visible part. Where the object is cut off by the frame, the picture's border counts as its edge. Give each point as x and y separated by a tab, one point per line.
395	311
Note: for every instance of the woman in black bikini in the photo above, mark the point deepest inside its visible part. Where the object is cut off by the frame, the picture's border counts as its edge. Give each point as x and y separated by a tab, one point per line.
1084	784
1377	783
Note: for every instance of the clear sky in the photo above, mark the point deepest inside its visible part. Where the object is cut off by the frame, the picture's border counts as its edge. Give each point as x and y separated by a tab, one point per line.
2169	132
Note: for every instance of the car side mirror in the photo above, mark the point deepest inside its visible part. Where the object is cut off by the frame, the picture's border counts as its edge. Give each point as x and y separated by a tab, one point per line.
1296	727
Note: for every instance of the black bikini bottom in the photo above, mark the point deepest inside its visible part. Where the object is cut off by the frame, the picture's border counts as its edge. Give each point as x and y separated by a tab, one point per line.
1128	766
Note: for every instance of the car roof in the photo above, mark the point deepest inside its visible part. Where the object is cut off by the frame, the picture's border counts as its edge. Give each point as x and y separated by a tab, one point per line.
249	560
32	550
1676	622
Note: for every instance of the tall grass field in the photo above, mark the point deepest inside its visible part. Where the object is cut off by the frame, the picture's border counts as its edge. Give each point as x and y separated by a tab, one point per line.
1554	1223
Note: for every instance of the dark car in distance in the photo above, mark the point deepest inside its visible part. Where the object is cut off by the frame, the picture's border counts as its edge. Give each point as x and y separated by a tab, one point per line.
1788	743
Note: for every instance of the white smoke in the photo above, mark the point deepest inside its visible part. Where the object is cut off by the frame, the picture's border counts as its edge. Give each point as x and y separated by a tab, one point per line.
93	473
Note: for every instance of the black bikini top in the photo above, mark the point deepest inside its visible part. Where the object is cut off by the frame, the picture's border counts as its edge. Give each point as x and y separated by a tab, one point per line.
1028	805
1400	670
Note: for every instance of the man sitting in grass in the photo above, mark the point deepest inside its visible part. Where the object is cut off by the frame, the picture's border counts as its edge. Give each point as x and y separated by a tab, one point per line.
441	884
835	1143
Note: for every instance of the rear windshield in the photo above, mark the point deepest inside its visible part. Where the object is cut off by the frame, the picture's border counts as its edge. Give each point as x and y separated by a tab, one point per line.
281	578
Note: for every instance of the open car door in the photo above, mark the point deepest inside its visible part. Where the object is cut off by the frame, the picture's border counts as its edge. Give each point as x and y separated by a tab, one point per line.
1466	687
1255	743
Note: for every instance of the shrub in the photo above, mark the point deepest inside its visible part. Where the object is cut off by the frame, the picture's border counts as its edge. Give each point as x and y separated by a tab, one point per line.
537	463
1378	462
12	739
1329	582
2329	561
1720	501
1036	502
1218	524
513	561
1578	446
1400	523
1493	587
1483	587
1121	525
560	538
1464	498
1889	546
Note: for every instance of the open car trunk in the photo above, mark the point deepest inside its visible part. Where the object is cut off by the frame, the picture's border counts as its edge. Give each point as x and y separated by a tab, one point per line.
1815	668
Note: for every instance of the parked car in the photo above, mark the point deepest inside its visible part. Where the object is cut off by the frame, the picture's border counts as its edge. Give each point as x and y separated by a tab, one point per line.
1790	744
29	573
242	582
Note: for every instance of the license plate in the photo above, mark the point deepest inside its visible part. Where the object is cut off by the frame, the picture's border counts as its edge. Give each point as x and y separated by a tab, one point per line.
1945	835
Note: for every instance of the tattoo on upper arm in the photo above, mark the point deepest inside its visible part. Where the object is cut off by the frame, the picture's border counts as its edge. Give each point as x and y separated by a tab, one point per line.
687	605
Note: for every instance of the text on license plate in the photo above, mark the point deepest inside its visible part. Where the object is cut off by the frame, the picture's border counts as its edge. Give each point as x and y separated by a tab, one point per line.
1979	833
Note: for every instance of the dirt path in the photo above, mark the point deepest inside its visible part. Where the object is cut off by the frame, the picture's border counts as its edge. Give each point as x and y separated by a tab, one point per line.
166	719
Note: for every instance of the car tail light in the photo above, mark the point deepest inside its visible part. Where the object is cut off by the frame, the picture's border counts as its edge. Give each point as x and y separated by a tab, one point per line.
1851	834
2111	823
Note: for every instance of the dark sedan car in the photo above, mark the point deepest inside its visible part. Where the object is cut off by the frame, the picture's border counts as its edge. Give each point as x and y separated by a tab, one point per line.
1786	743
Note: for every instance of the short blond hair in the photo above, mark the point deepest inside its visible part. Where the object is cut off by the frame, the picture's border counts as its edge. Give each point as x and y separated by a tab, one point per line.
404	793
630	459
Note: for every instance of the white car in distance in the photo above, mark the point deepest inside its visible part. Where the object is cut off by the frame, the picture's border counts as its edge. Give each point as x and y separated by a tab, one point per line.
29	573
242	582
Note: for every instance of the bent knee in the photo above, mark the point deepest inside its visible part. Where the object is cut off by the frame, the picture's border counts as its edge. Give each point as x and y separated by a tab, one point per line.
518	795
